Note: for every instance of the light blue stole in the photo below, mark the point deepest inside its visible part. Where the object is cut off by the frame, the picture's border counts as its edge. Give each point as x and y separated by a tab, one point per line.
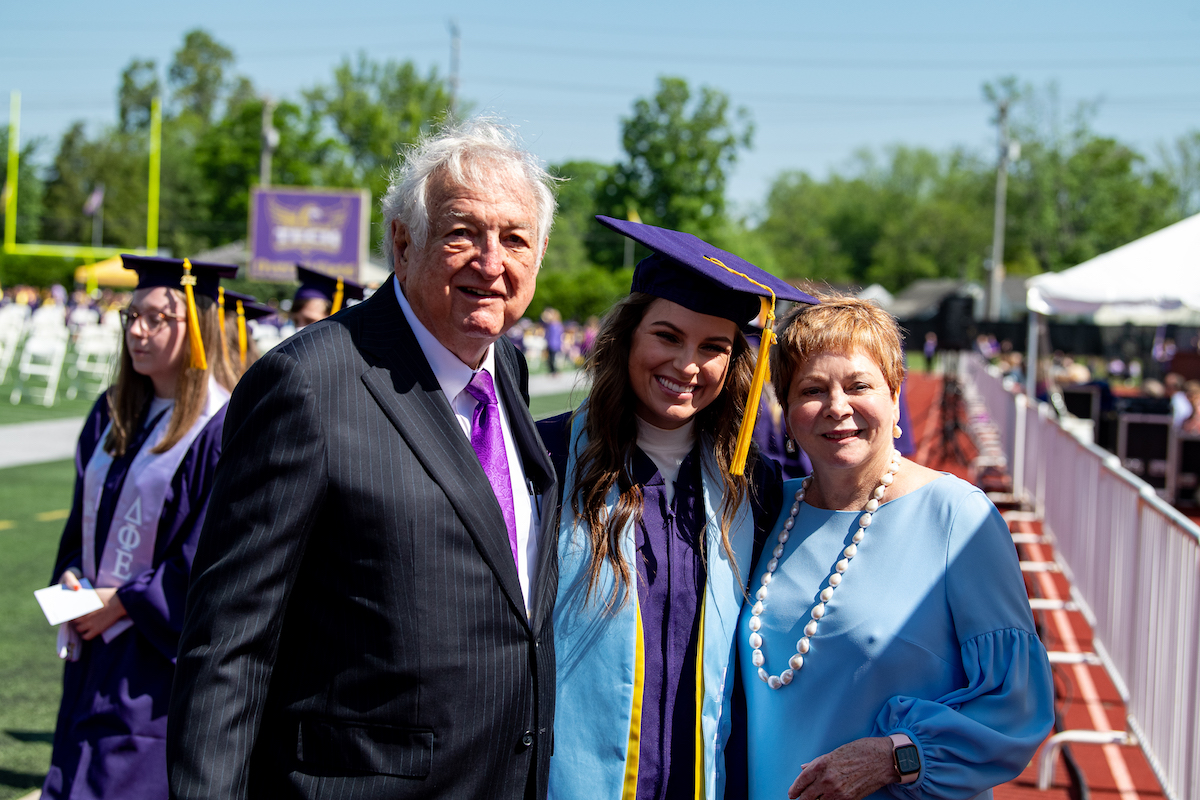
596	649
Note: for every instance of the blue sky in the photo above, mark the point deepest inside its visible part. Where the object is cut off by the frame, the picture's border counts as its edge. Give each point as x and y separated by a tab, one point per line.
819	79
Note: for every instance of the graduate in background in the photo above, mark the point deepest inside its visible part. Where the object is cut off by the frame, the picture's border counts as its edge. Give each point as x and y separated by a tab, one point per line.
320	296
660	526
144	467
237	310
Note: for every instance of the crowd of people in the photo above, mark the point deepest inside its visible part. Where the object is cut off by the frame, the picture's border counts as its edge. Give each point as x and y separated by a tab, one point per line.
1180	396
354	565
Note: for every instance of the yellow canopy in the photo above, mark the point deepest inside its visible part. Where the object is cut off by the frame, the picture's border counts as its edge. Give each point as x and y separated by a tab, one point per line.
108	272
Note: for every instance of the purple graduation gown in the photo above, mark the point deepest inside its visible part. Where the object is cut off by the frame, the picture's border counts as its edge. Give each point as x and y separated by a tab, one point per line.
109	741
671	580
670	567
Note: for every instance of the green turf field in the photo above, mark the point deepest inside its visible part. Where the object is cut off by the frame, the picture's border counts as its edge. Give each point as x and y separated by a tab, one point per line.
29	410
33	504
550	404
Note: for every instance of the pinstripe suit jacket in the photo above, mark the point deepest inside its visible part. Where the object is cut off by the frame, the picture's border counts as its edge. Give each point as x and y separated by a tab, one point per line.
355	626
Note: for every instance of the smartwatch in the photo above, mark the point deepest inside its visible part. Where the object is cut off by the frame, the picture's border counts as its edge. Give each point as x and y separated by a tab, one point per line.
905	757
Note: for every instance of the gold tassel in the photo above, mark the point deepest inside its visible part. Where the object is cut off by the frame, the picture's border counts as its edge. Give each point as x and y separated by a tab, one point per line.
198	361
241	332
338	295
762	373
221	312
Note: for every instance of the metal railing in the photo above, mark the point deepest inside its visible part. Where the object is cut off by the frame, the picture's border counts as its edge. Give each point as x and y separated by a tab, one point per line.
1134	566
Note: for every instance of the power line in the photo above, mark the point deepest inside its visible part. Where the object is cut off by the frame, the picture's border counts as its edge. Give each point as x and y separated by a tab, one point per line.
627	56
322	26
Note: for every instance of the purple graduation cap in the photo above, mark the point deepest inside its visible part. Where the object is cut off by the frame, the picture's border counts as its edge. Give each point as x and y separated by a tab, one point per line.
689	271
247	308
250	309
155	271
317	284
190	278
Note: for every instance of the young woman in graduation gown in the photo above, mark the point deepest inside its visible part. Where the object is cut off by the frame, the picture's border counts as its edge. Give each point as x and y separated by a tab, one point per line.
144	467
659	528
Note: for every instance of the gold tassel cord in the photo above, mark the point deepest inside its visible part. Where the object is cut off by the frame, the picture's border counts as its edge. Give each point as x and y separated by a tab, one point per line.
762	373
221	313
241	323
338	295
188	281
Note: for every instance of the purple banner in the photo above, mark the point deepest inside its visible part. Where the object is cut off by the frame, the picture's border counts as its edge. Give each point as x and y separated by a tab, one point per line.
323	228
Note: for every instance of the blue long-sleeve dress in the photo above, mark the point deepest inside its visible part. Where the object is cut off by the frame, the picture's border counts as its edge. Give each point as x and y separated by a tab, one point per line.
109	740
929	634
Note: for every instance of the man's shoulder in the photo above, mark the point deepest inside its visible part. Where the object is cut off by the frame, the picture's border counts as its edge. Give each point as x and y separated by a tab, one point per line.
315	340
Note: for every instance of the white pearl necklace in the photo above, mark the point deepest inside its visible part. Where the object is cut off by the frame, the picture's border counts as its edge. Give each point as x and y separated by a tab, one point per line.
835	579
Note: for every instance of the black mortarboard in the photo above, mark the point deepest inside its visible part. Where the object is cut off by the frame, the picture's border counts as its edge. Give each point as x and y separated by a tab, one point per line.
251	308
182	274
155	271
689	271
247	308
330	287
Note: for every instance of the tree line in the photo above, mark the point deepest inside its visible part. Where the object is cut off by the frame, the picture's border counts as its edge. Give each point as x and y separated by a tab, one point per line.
887	217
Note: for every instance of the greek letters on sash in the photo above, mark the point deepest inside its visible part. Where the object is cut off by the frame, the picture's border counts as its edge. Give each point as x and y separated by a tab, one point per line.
129	548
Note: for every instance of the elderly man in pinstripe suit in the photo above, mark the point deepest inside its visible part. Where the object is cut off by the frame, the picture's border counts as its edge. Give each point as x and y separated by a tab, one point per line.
370	608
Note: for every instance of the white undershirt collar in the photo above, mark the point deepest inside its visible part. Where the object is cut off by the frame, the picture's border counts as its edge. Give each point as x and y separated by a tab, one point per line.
667	449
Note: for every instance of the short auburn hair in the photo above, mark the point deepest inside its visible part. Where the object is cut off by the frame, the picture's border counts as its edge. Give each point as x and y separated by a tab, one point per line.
841	323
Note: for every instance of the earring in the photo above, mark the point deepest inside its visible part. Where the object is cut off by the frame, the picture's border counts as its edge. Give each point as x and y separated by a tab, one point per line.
789	445
896	432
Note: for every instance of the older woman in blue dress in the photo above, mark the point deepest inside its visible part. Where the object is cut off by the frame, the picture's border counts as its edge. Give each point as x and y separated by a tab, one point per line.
144	467
661	521
889	649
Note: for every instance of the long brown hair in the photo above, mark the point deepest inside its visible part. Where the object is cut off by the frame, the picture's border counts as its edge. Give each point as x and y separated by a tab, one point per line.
127	398
612	434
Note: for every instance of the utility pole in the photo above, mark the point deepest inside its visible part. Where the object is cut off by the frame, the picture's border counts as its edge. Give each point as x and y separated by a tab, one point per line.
996	278
270	141
455	44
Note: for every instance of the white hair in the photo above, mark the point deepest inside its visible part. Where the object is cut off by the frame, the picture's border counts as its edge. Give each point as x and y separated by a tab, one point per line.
478	152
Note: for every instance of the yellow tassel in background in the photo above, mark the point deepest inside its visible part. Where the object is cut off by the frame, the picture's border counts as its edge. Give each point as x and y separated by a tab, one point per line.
188	280
221	314
338	295
241	332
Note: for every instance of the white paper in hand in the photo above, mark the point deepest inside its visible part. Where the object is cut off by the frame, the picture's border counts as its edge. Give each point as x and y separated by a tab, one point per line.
61	604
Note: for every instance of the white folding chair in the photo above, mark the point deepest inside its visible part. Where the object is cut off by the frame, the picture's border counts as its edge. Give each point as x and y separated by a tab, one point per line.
42	356
96	350
11	328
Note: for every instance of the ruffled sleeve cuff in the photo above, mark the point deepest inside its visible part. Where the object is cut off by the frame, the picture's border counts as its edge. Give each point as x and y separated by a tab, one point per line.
984	733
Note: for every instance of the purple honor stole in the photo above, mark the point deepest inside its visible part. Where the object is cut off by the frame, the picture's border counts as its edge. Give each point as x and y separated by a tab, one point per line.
129	548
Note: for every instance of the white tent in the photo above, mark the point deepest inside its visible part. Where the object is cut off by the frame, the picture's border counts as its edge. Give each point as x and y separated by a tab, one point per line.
1160	270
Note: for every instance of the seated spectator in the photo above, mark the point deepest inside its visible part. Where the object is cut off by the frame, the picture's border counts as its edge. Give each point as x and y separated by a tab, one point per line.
1181	407
1153	388
1192	391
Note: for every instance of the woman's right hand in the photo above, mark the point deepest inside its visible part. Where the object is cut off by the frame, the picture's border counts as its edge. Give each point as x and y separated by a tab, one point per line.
851	772
71	581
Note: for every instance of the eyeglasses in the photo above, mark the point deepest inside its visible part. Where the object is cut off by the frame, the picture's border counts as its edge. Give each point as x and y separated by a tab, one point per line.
152	321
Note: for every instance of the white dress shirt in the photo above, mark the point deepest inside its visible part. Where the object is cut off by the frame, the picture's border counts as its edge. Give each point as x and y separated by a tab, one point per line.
453	376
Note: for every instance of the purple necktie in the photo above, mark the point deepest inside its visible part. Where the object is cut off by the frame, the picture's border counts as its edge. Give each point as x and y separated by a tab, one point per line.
488	441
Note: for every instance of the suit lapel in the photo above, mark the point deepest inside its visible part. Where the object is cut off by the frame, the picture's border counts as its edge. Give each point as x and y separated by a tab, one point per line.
405	388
